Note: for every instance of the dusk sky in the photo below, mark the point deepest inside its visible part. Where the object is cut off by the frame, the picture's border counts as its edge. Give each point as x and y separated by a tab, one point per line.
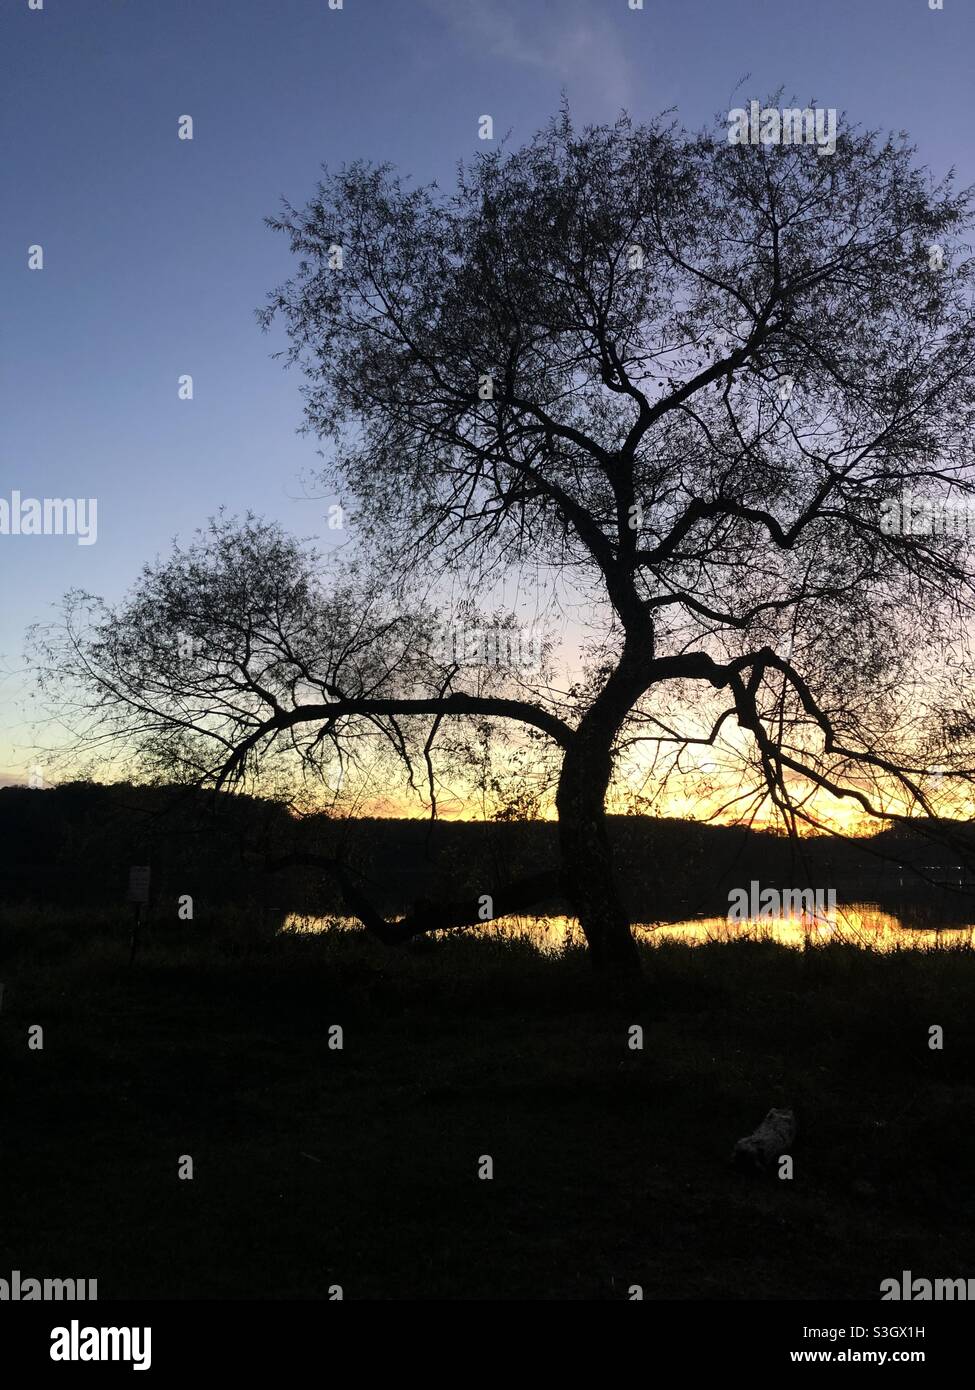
155	251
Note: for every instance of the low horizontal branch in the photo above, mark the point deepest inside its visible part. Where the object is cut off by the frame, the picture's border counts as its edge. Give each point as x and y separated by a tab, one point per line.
516	896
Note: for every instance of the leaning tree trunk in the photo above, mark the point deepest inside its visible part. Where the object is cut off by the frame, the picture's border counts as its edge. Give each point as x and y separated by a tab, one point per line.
587	857
587	862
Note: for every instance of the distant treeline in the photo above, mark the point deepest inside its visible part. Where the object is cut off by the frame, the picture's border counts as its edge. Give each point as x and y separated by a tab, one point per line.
73	845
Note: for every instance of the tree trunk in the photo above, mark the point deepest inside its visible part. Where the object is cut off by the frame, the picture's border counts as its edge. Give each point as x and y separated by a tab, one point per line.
587	868
587	856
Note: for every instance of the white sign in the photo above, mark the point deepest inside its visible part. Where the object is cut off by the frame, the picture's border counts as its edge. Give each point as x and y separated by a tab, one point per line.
139	883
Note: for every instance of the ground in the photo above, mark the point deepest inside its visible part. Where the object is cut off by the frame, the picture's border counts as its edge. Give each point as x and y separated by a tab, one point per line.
314	1166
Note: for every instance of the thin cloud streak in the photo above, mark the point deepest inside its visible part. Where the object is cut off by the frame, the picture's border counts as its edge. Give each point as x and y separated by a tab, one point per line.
580	50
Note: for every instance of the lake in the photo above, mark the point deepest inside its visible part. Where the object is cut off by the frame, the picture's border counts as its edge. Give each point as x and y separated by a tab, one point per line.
860	923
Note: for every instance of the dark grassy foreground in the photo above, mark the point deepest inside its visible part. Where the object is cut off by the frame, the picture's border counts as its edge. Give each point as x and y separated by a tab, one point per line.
359	1167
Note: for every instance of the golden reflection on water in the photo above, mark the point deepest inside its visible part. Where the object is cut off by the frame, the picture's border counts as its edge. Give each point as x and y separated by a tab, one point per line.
860	924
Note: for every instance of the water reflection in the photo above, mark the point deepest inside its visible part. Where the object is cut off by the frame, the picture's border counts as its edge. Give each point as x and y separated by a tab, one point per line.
860	924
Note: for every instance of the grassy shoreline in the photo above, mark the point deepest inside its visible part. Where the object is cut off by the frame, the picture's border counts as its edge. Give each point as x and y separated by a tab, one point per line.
315	1166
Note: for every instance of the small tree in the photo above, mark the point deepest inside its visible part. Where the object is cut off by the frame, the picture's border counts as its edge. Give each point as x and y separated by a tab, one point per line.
684	380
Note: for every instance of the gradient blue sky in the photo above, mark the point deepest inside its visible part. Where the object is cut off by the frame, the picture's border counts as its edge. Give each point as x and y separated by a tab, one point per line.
155	250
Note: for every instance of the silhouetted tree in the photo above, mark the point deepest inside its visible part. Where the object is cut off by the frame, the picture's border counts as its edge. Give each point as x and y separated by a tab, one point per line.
682	381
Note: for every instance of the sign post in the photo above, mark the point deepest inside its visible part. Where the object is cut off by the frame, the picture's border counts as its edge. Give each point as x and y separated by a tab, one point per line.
138	895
